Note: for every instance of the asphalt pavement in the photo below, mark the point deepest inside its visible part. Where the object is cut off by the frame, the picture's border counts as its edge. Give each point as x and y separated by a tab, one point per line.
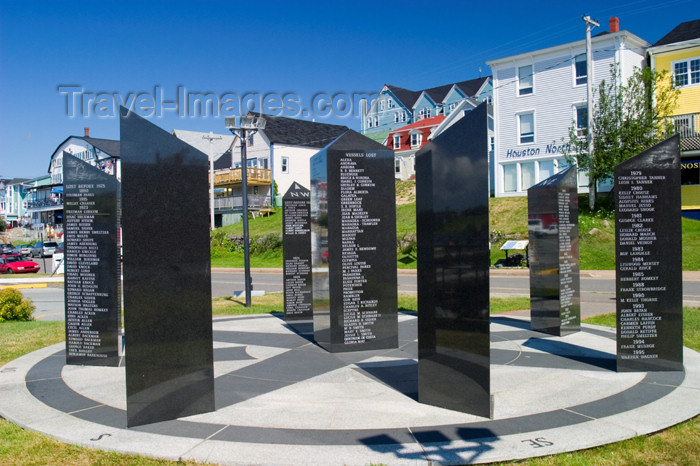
597	288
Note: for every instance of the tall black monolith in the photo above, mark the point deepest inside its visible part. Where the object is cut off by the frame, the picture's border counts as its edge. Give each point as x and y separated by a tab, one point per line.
92	267
296	252
648	260
353	235
167	275
452	210
555	286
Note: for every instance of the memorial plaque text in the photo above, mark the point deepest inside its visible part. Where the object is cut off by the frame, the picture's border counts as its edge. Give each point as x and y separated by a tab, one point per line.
296	211
92	268
355	256
648	253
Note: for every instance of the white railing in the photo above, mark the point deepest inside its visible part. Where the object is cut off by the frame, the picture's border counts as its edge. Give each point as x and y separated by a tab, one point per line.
255	201
687	125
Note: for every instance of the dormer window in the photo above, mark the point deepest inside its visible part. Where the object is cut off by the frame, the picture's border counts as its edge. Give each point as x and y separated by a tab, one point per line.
424	113
416	139
397	141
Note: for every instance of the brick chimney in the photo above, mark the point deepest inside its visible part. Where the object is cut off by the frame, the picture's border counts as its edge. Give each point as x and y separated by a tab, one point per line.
614	24
87	131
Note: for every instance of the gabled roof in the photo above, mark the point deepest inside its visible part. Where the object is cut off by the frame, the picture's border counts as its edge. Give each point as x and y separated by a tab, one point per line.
289	131
424	123
109	146
405	96
684	31
437	94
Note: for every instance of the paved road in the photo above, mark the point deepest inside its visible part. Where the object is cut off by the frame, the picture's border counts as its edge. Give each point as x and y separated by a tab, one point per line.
597	295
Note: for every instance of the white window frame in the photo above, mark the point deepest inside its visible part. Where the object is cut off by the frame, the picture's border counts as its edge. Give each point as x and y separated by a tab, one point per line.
397	141
512	166
284	165
416	139
376	121
424	112
582	79
389	103
397	166
381	104
402	117
526	90
580	126
522	136
689	63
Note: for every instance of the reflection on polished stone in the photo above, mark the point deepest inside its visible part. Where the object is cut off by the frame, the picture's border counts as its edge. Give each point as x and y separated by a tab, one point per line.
167	275
648	260
555	286
296	252
452	210
353	225
92	268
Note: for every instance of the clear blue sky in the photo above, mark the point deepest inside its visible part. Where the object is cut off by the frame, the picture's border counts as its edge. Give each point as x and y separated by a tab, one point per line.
162	49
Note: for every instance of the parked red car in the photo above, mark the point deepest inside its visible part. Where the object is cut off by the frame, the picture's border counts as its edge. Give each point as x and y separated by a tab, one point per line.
15	263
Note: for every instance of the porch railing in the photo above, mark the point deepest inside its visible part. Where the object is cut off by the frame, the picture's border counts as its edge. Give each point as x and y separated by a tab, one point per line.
687	125
255	201
233	176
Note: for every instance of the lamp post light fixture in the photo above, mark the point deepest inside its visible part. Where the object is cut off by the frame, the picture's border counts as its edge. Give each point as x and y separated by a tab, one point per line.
249	125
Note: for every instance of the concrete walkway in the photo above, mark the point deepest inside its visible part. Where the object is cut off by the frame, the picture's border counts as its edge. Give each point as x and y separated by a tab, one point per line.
280	399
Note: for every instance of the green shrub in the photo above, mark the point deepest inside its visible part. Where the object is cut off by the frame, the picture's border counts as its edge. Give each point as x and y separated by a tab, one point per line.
14	307
266	243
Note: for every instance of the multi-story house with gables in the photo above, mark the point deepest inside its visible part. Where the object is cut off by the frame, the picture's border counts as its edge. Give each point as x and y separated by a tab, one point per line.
396	107
407	140
539	95
679	53
46	204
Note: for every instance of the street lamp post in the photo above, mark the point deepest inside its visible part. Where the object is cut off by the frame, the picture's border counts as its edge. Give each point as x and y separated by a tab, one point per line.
211	138
248	125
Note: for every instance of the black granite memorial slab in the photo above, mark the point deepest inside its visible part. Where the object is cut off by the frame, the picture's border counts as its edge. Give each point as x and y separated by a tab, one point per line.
296	254
92	267
648	260
555	285
452	210
353	236
167	275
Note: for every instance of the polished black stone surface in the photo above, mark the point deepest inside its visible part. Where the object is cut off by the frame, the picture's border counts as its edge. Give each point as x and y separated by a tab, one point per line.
452	210
353	224
92	267
555	285
167	275
296	252
648	260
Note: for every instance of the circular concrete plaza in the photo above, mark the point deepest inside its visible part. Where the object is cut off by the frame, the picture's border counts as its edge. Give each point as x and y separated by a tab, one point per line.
281	399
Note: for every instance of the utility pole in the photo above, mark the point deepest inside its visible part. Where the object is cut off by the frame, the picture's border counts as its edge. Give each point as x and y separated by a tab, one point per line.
211	138
589	110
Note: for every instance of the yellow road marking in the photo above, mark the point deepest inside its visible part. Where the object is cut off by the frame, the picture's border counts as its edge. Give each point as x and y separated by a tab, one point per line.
25	285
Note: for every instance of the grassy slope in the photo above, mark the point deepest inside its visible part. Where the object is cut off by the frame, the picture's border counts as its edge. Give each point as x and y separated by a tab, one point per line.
507	220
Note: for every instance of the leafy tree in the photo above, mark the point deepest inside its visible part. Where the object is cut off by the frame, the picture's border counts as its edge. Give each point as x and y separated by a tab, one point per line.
627	119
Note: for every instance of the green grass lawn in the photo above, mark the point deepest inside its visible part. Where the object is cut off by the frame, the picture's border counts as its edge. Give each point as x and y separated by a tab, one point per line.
507	220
